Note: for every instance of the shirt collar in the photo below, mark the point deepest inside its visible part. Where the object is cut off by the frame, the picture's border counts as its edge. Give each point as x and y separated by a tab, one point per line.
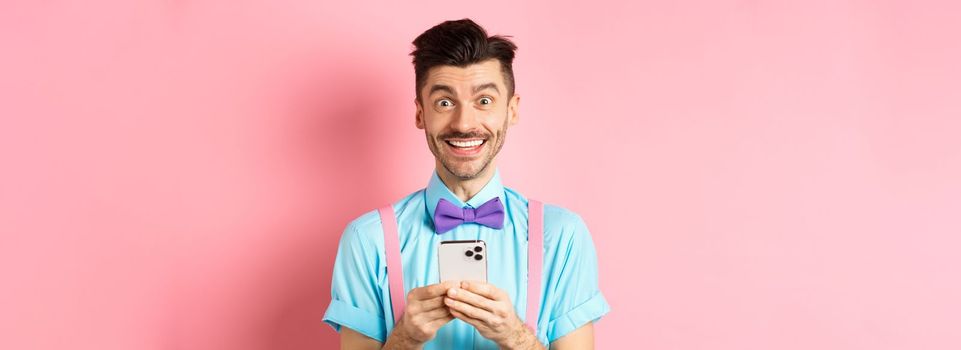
437	190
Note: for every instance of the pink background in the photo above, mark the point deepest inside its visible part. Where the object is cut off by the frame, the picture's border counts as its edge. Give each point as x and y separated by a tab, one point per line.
756	175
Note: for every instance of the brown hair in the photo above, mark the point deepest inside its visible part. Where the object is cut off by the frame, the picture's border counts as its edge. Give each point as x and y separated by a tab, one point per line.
461	43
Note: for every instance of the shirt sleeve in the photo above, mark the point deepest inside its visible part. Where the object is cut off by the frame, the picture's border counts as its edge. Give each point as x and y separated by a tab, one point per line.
356	297
574	296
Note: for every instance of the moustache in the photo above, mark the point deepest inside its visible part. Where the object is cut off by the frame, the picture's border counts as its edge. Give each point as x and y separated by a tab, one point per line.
460	135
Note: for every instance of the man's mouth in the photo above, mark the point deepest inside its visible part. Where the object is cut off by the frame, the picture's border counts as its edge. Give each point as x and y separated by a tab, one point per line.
466	147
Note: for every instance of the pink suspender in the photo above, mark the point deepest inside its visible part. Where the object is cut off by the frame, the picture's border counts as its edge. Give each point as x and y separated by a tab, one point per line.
535	260
395	273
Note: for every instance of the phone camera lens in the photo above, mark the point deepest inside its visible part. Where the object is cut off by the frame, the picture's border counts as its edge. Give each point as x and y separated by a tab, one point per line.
478	249
468	253
478	257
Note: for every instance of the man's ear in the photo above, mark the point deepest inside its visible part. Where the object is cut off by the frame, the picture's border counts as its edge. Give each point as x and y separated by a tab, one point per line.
419	114
512	113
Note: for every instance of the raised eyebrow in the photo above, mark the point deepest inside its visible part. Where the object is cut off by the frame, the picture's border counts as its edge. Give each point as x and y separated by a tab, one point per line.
438	87
486	86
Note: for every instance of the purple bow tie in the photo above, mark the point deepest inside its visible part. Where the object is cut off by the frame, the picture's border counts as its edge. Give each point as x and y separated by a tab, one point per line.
447	215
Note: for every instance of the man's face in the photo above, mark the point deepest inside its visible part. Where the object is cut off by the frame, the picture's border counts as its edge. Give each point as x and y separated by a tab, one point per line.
465	113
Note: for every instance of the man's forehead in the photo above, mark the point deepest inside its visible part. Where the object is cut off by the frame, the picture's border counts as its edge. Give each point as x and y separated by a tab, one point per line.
468	77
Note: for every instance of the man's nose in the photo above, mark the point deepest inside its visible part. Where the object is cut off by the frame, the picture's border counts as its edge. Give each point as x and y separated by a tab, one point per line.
465	119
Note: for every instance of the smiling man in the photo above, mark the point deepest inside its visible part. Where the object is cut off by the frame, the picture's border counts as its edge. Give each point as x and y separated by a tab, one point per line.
465	102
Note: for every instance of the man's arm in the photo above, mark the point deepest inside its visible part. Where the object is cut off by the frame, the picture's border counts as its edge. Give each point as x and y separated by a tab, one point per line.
581	338
349	339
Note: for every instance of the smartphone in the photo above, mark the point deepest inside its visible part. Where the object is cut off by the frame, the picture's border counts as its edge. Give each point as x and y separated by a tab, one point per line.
463	260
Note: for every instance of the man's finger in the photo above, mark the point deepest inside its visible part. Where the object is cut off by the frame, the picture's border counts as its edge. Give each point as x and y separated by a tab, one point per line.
430	304
471	298
478	324
436	324
431	291
484	289
469	310
435	314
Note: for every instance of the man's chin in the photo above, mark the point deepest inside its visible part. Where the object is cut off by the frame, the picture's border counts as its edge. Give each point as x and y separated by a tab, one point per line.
464	171
466	175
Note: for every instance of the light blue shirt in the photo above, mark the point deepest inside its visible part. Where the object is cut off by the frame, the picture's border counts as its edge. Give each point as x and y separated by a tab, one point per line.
571	297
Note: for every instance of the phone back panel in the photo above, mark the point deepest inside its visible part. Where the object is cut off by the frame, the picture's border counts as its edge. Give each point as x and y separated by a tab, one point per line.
463	260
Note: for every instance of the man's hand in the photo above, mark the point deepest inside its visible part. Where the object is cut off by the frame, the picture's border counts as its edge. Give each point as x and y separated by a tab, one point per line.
424	315
489	310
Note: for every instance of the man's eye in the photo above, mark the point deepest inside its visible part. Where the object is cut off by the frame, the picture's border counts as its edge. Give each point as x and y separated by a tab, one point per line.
445	103
486	101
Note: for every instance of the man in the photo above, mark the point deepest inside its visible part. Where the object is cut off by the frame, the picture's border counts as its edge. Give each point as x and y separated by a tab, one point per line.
465	103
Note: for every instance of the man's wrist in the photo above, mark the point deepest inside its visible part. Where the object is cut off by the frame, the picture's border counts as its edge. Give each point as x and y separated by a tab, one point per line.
400	340
523	338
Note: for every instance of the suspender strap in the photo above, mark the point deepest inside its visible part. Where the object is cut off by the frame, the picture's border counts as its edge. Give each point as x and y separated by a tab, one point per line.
395	272
535	260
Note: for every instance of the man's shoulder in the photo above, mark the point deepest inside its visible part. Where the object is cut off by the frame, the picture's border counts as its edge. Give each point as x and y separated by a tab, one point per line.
369	223
366	222
565	231
556	217
563	218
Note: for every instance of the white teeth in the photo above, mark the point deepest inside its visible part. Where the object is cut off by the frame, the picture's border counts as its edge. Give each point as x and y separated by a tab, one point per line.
465	144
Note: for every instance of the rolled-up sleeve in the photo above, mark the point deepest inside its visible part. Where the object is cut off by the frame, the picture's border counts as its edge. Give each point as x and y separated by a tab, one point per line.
356	298
573	295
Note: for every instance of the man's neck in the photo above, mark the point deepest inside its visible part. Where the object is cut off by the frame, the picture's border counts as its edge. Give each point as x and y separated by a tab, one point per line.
465	189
